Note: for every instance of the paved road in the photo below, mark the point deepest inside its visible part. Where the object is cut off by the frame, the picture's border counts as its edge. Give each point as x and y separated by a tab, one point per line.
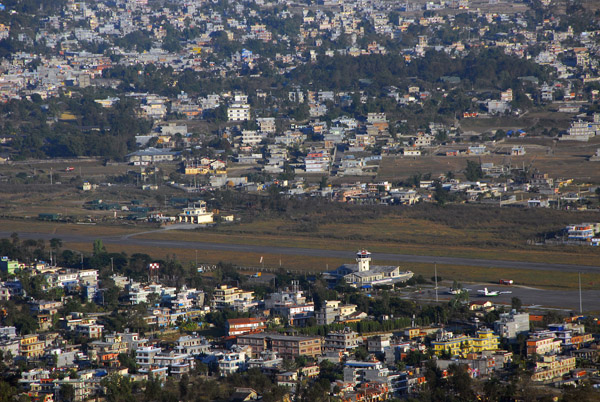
309	252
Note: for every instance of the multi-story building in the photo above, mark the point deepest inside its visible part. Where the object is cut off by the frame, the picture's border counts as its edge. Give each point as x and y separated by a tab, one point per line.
9	266
582	232
192	345
31	346
552	367
232	362
378	343
512	324
226	296
317	162
345	339
542	344
238	110
460	345
286	346
240	326
291	304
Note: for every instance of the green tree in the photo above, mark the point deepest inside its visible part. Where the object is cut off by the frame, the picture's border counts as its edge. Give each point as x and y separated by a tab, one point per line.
473	171
516	303
99	247
67	392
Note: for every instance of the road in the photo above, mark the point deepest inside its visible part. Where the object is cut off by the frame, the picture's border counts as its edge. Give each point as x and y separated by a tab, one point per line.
131	240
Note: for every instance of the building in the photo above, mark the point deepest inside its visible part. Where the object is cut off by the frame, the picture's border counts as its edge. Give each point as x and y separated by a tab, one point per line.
240	326
333	311
552	367
582	232
362	274
196	214
31	346
239	109
231	363
291	304
286	346
345	339
512	324
9	266
461	345
542	344
150	156
317	162
517	150
226	296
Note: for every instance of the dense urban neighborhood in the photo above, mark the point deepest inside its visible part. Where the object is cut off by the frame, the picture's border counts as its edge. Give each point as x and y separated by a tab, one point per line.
78	334
453	128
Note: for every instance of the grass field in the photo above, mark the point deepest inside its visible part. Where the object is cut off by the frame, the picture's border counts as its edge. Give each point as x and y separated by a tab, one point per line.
560	160
465	274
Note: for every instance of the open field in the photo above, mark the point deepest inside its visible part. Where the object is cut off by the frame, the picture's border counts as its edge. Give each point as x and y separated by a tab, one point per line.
466	274
545	119
564	159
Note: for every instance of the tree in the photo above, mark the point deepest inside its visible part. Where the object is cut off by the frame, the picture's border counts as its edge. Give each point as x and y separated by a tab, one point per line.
118	389
516	304
67	392
55	243
441	194
99	247
473	171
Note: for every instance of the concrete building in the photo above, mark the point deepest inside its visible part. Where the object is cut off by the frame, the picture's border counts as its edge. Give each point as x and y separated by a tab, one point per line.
196	214
286	346
345	339
240	326
512	324
363	274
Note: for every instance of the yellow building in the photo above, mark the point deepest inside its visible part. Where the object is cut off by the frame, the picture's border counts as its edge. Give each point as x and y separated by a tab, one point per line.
461	345
31	346
552	367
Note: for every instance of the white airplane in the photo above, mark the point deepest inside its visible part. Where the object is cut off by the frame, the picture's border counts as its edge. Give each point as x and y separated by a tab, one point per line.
457	291
488	293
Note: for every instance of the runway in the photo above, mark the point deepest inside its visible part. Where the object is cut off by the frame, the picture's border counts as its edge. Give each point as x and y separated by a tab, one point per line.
309	252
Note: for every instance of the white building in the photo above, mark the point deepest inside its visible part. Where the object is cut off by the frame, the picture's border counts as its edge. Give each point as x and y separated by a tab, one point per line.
196	214
362	274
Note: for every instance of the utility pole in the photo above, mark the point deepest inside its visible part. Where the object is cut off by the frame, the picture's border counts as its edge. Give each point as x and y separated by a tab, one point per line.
580	303
436	287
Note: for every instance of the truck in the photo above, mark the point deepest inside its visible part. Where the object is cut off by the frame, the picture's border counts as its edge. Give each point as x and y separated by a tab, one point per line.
506	282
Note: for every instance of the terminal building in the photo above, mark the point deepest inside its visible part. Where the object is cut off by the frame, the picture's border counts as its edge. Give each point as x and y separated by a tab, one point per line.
363	274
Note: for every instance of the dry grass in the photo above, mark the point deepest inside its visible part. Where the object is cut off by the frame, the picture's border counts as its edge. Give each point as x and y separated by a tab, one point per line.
465	274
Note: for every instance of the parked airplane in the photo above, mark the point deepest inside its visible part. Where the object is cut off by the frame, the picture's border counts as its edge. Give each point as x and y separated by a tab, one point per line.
488	293
491	293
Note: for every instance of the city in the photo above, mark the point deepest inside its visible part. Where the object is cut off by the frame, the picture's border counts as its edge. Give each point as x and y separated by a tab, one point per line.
299	201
